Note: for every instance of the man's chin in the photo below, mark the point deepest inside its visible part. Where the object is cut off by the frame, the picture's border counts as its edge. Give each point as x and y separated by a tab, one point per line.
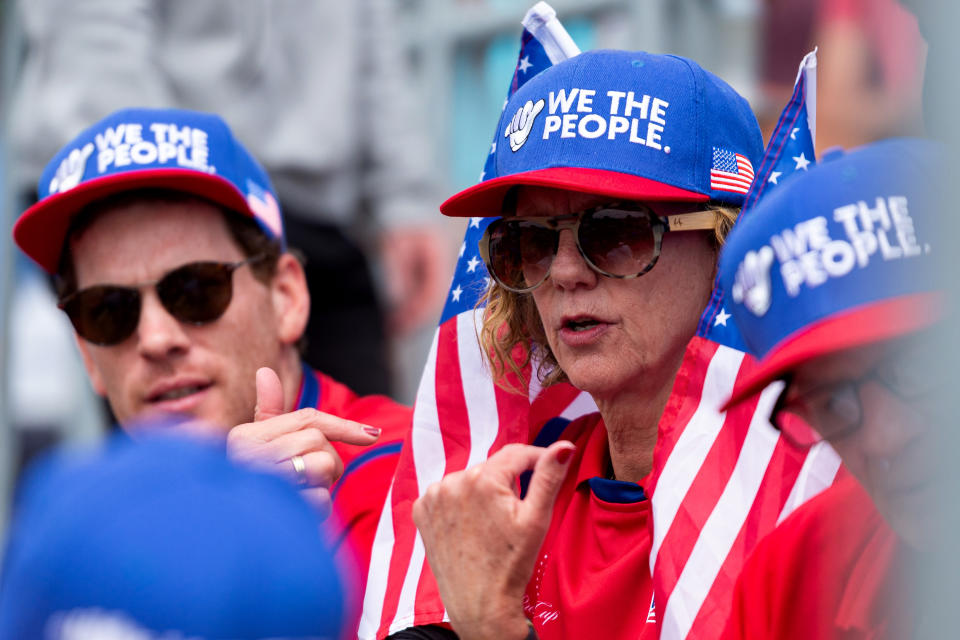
190	424
918	519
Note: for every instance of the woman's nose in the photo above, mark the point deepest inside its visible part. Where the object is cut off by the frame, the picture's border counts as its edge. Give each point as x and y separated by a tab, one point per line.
569	269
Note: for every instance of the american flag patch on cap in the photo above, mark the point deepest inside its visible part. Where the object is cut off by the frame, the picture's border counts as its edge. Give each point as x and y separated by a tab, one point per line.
730	171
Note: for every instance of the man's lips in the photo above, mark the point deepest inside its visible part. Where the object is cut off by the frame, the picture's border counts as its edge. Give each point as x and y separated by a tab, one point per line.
170	391
908	488
911	471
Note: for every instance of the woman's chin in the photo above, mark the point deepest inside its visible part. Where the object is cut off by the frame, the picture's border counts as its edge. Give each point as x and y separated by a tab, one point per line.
597	380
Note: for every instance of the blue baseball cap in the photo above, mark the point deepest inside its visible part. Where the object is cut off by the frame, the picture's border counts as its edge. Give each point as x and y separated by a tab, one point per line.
843	256
164	538
624	124
176	149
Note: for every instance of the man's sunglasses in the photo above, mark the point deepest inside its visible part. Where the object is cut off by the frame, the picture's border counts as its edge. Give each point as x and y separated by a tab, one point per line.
195	293
834	410
618	240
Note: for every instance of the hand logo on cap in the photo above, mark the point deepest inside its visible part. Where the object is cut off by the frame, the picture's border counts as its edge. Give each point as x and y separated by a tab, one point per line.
71	170
751	285
519	128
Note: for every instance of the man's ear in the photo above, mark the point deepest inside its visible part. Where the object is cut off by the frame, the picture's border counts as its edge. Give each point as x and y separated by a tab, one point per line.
291	299
96	380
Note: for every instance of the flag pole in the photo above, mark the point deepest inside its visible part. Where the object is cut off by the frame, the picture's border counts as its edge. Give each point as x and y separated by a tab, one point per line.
542	23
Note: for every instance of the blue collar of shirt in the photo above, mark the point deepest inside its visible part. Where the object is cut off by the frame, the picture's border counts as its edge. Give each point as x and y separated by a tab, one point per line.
309	396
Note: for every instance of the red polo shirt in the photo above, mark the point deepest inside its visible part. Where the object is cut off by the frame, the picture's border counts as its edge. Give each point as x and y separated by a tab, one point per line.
592	579
359	495
831	570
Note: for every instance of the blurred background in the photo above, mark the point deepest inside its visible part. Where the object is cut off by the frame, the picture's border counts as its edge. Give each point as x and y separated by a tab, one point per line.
456	58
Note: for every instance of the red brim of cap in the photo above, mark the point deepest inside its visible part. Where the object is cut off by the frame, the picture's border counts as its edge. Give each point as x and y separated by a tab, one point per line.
41	230
859	327
485	199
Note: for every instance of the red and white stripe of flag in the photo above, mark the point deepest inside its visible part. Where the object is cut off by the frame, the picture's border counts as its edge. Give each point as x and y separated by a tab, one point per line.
722	481
461	417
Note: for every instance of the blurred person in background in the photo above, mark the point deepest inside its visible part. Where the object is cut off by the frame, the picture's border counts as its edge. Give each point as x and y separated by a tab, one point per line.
165	538
785	36
871	72
871	61
321	95
844	322
602	266
166	243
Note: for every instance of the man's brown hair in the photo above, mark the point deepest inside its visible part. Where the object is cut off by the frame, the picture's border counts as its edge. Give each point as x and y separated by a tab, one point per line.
246	233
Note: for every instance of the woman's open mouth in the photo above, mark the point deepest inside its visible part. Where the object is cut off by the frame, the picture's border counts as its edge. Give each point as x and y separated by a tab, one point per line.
581	330
581	325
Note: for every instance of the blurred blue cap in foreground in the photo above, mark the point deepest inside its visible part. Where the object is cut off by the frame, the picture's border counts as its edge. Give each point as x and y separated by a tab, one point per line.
166	538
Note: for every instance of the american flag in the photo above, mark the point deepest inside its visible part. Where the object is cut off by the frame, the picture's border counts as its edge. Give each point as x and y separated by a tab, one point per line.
730	171
460	416
791	147
721	481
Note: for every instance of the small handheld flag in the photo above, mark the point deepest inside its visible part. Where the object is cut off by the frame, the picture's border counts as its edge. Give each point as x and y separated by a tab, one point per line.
723	479
460	416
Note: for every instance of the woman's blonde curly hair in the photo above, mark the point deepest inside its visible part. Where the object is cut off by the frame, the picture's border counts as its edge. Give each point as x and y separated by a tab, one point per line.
512	331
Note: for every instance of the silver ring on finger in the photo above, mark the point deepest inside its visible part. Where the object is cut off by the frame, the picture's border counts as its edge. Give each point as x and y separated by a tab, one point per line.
300	469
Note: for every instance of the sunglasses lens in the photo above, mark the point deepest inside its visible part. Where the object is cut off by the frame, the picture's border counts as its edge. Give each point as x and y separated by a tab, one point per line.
620	243
104	315
521	253
197	293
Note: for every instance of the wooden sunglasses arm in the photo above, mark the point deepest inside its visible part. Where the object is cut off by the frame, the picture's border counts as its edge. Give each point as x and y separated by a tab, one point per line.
696	221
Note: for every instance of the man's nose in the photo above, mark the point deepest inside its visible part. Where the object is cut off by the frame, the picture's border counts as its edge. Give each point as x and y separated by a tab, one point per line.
159	334
889	424
569	269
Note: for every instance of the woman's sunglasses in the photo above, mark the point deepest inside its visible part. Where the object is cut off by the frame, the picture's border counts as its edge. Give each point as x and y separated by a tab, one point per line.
195	293
616	240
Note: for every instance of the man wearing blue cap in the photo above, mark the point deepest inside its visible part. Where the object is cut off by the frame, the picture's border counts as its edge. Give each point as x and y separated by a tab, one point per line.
165	538
167	244
834	279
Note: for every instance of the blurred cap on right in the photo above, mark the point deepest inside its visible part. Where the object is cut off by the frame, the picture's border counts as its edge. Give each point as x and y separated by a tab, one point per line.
843	256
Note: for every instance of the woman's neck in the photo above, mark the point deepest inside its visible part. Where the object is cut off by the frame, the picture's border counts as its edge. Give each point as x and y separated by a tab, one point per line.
631	419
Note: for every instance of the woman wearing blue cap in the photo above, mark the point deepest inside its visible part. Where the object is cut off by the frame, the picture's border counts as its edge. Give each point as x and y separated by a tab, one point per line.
843	321
601	162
